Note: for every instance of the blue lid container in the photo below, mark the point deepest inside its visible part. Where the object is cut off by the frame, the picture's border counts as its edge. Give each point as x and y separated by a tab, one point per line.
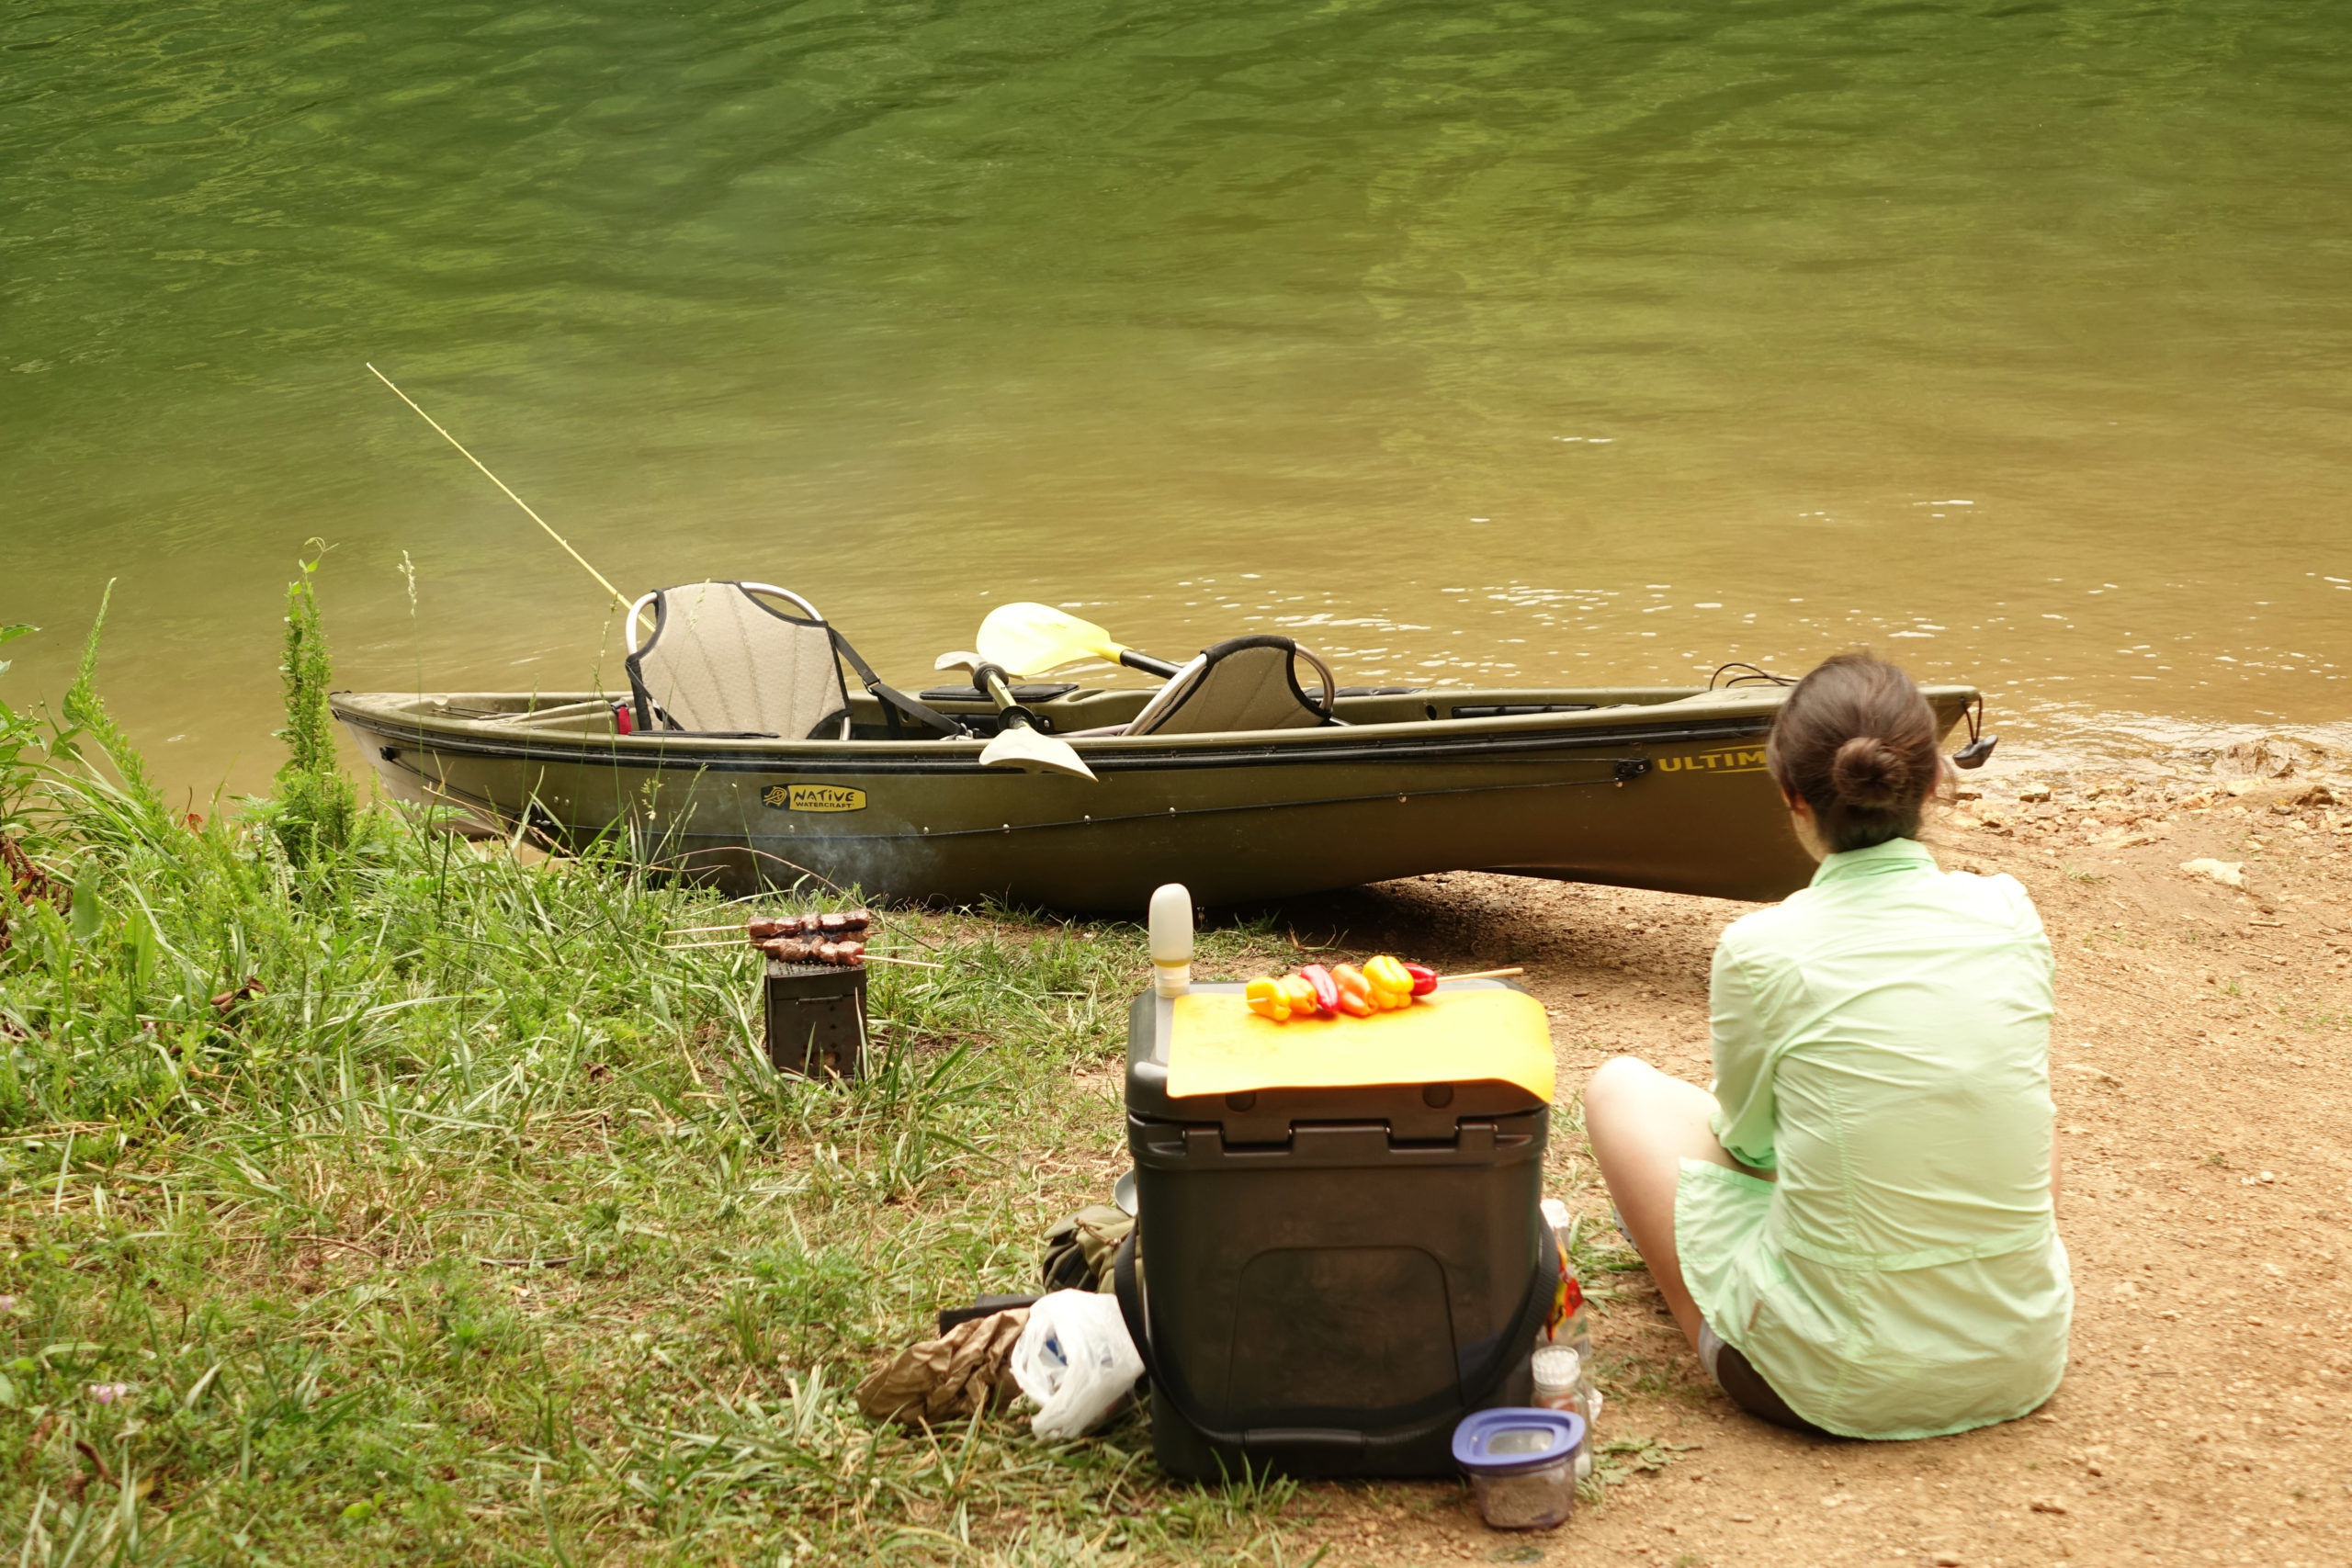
1512	1441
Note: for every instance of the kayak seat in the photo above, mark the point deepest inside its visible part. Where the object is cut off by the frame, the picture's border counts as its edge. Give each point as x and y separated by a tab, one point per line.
722	660
1244	682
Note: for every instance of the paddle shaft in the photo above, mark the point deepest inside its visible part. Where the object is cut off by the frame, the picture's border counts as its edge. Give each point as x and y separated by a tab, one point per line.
1022	739
1146	663
992	679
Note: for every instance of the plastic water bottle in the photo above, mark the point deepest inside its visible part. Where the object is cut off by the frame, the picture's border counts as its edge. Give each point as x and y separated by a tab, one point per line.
1571	1323
1563	1359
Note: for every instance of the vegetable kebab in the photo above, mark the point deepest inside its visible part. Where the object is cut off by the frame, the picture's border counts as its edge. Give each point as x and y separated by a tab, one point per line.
1383	984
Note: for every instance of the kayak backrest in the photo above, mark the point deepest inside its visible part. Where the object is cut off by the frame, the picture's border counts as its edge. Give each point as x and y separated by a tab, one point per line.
1245	683
722	661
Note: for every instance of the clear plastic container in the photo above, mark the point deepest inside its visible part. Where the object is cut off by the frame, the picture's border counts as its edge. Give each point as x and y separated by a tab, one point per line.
1522	1465
1530	1499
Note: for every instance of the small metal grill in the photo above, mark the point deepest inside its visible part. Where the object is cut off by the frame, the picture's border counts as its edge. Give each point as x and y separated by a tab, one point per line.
816	1018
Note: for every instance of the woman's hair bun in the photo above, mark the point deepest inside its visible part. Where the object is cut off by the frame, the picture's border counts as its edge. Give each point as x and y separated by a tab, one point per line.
1868	772
1857	742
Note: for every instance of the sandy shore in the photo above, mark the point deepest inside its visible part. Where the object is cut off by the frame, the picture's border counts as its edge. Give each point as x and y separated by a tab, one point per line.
2199	1057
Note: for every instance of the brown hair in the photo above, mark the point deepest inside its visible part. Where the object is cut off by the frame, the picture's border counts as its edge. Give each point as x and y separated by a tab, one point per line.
1857	742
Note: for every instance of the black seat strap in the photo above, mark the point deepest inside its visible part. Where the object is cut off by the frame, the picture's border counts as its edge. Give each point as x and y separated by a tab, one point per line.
894	701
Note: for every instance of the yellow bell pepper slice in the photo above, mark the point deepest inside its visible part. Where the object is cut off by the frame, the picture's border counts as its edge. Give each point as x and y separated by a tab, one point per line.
1265	998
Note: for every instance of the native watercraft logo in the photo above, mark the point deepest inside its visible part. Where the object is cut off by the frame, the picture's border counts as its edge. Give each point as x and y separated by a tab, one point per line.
815	797
1726	760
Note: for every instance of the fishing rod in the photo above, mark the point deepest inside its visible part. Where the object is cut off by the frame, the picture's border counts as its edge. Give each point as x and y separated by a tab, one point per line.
618	598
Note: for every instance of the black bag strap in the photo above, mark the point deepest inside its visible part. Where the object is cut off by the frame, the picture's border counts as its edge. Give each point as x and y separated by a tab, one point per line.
1540	1290
647	713
894	701
1123	1285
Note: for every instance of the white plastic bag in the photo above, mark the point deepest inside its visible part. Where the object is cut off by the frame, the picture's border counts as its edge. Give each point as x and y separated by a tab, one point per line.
1075	1360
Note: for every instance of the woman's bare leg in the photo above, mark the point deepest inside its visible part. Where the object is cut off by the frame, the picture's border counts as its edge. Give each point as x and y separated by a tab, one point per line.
1642	1125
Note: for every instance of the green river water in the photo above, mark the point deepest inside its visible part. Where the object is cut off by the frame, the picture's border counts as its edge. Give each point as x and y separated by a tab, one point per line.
1491	343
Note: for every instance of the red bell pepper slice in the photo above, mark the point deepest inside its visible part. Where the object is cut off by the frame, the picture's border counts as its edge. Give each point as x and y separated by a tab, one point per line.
1327	990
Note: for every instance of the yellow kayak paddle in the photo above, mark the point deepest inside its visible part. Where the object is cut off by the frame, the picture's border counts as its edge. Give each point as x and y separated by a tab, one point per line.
1030	640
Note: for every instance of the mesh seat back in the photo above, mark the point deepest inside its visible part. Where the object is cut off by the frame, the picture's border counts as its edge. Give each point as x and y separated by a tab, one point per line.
1248	682
722	661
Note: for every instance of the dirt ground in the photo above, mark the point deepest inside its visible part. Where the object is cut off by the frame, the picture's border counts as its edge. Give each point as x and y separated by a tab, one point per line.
2199	1057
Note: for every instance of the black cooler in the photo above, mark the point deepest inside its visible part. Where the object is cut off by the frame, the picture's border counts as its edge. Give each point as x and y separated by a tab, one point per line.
1331	1278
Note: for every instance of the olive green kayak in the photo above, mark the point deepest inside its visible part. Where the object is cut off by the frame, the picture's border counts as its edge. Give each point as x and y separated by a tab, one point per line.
1649	787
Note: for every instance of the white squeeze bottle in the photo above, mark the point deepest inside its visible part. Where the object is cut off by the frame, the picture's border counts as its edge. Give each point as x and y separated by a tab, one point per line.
1172	940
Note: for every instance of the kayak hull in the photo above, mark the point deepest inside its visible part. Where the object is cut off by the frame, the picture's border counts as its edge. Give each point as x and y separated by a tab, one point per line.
1661	789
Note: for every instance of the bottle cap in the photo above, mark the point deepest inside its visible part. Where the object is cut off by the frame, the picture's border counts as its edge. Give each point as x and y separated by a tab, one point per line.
1555	1366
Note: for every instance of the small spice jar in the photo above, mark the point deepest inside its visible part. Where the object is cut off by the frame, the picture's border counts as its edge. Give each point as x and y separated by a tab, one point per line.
1521	1464
1559	1379
1559	1372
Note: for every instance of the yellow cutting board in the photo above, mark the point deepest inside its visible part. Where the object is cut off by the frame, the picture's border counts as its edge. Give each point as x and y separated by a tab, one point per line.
1484	1033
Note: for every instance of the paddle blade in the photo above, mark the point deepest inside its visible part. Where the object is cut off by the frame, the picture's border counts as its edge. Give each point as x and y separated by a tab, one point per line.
1030	640
1018	746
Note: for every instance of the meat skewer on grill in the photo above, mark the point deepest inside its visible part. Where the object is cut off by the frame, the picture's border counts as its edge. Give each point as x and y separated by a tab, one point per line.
836	937
766	927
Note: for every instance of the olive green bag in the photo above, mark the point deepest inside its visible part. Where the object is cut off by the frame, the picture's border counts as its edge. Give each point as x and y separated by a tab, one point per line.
1079	1249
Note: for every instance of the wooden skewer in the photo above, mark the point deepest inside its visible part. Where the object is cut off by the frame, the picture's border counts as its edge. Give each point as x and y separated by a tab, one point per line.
1487	973
740	927
748	946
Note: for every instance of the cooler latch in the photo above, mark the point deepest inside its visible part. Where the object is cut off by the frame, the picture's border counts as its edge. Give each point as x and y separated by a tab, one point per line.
1333	1143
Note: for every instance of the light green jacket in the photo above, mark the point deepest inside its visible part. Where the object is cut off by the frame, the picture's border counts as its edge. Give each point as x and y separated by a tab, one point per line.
1882	1043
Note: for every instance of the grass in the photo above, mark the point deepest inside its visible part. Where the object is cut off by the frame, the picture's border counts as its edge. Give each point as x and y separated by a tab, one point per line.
484	1230
372	1196
376	1197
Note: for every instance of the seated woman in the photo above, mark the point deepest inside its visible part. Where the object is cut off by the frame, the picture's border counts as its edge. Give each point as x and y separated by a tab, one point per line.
1855	1226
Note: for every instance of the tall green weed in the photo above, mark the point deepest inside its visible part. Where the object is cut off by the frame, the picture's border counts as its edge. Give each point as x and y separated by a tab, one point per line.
316	808
109	810
18	748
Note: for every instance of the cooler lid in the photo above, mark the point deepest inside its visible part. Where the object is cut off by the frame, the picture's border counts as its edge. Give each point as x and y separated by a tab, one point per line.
1481	1029
1434	1071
